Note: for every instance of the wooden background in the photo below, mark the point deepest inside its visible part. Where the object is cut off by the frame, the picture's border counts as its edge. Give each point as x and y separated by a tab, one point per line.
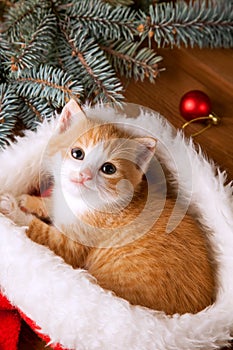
189	69
186	69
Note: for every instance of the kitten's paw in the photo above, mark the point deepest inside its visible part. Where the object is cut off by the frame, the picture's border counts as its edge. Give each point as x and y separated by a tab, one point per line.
24	202
33	205
8	205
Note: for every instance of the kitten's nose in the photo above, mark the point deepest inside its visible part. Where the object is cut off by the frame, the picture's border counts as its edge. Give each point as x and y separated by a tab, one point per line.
85	175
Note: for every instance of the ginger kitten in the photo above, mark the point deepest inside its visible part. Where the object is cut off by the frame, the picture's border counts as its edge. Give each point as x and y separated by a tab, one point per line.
101	220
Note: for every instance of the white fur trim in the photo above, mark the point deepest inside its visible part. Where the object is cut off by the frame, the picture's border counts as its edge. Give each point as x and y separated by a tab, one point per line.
76	312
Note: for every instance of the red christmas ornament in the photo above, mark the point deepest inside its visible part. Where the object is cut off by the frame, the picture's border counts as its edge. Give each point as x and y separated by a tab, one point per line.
195	104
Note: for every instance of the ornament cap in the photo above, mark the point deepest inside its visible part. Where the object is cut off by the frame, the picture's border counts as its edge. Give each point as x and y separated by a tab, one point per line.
215	119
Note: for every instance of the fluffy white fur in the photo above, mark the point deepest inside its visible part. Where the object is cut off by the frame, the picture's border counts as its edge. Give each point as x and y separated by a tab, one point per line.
67	304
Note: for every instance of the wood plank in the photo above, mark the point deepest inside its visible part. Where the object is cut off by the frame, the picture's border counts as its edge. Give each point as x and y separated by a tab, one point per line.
218	64
185	71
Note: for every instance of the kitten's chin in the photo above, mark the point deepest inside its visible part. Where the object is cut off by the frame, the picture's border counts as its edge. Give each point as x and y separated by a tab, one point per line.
87	199
80	197
75	188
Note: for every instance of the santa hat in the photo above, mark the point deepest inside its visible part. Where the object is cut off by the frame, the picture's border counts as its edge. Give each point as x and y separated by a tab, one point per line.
66	305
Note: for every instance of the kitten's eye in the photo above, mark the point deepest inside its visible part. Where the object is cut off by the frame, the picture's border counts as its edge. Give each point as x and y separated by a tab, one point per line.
108	168
77	153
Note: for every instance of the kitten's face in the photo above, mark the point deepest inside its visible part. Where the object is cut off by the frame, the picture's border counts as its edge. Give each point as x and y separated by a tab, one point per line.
101	168
96	165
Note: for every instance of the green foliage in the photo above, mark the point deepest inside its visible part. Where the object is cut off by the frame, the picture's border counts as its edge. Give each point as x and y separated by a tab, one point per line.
102	20
197	23
8	113
47	82
120	2
97	76
36	47
52	50
130	61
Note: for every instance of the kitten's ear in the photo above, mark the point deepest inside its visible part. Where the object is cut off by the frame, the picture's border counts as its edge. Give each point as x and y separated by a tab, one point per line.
145	149
70	110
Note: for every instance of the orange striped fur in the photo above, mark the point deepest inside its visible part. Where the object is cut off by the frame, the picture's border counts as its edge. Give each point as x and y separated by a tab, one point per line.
169	272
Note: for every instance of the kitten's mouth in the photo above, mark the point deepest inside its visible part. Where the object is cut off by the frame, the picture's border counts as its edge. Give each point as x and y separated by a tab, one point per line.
79	184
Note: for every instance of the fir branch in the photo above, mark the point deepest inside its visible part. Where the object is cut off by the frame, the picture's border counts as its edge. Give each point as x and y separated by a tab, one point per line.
5	49
21	18
36	50
34	111
199	23
130	61
119	2
48	82
9	111
59	49
102	20
95	72
5	56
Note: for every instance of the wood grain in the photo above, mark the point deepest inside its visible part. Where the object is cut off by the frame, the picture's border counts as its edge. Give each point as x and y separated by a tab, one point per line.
190	69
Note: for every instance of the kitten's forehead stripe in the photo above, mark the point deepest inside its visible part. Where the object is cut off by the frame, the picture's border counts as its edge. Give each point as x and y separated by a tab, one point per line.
102	133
